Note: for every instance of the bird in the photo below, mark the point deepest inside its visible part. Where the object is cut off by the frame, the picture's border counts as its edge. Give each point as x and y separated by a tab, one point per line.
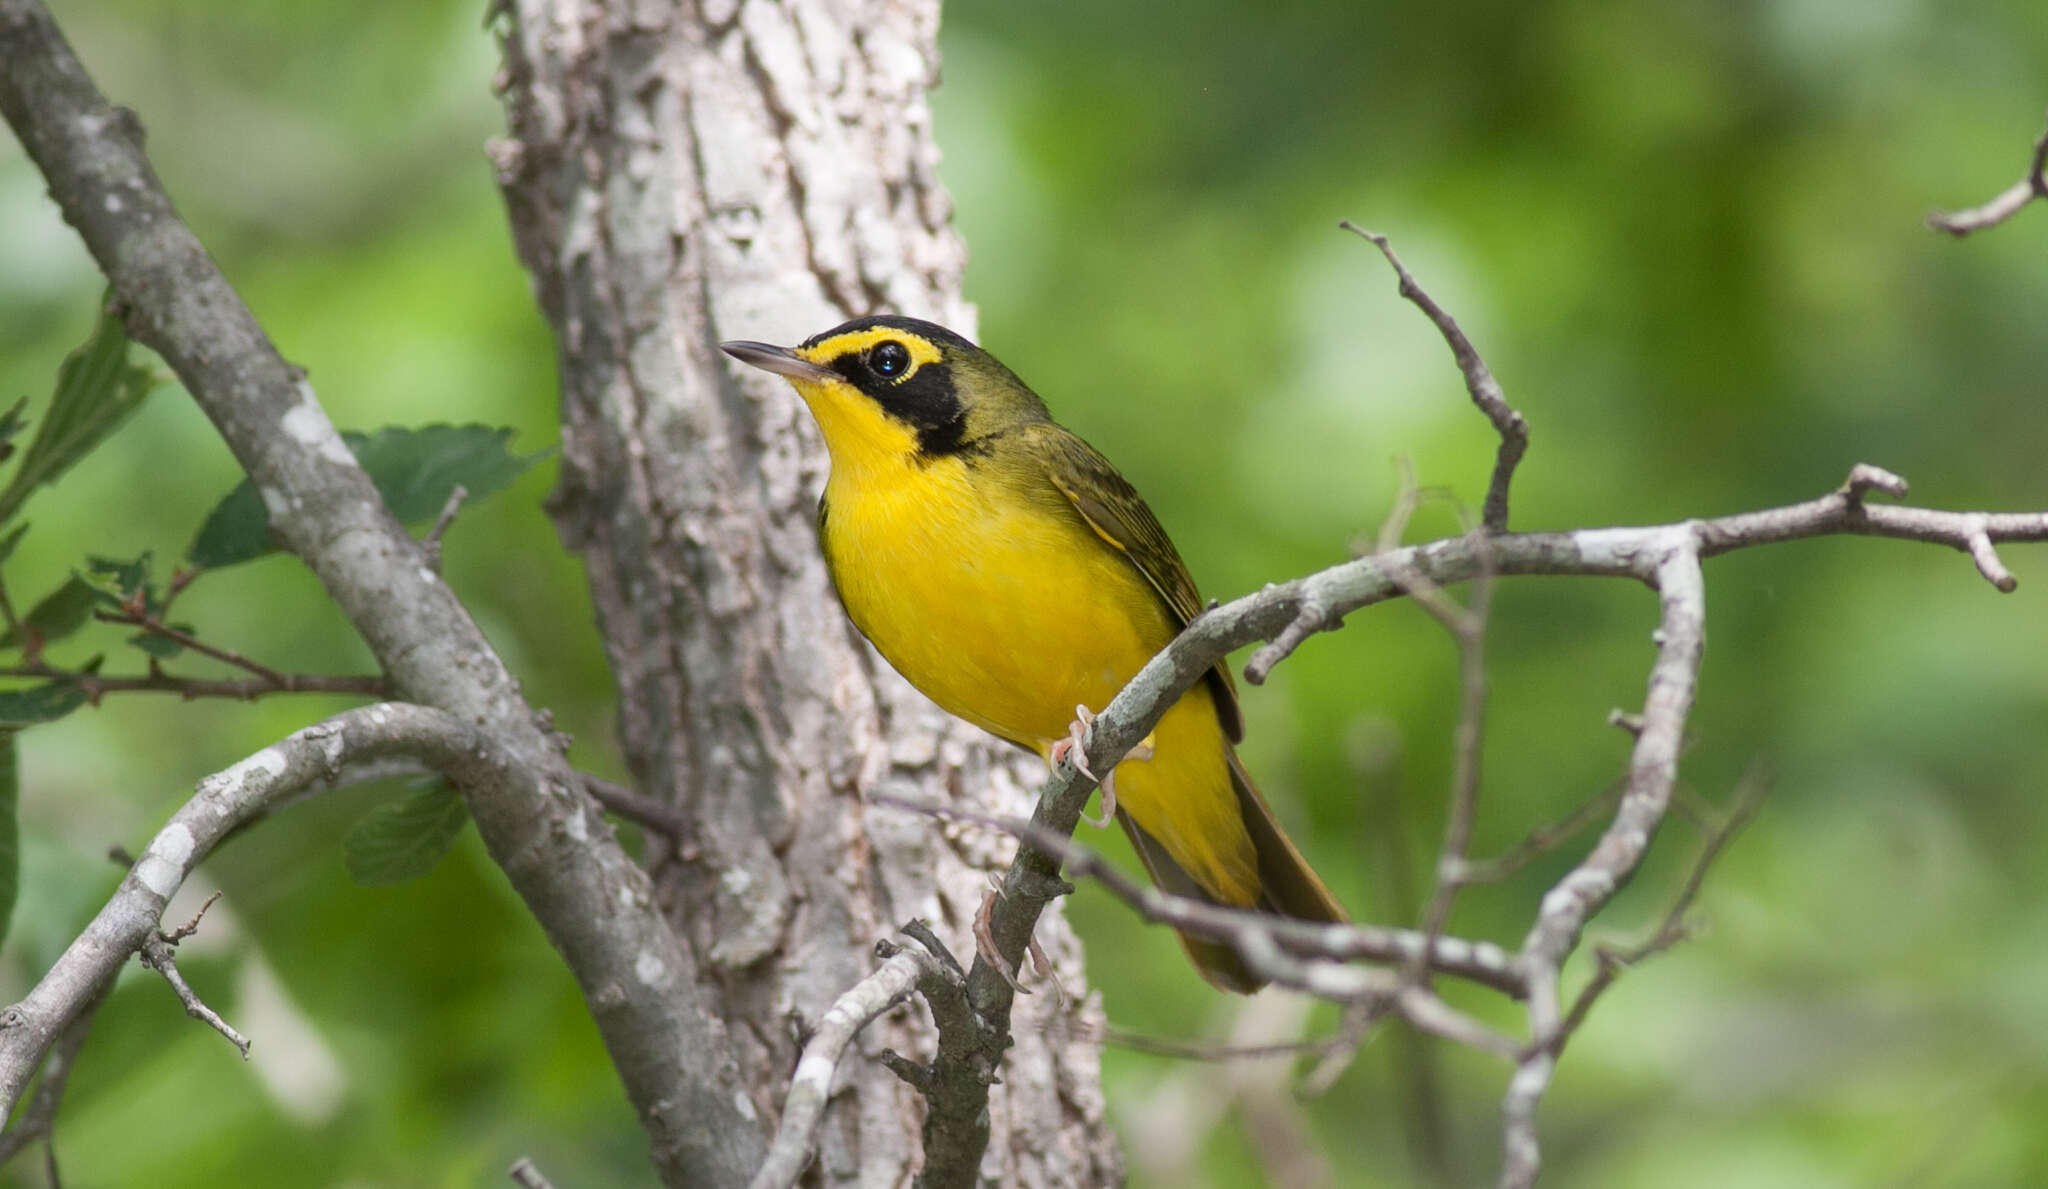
1012	574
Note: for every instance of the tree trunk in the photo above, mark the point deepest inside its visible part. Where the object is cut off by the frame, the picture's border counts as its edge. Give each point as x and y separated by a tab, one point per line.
681	175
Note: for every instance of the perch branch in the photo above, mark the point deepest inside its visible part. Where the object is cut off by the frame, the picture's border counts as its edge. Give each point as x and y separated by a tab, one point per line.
1664	557
1479	962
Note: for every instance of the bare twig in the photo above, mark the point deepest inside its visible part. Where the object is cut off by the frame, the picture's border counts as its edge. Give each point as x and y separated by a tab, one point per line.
1196	1050
811	1086
1479	962
158	953
636	807
1612	960
2002	206
156	627
524	1173
1541	840
1486	392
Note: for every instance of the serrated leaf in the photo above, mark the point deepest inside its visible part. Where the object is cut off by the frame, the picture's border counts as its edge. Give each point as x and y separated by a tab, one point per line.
41	703
414	470
59	613
97	389
10	831
405	837
116	580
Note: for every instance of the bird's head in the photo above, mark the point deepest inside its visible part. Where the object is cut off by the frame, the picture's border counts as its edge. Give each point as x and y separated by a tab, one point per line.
898	389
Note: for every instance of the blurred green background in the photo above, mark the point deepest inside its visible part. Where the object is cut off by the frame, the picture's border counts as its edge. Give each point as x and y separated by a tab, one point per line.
1687	237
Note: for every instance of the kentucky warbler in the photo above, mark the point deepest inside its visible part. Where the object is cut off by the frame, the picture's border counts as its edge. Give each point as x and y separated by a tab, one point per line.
1007	569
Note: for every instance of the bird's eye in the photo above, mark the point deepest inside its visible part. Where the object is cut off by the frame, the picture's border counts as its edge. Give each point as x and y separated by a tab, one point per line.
889	359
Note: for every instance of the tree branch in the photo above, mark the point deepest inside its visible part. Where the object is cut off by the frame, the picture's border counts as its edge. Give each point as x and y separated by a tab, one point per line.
596	905
1477	961
1653	767
132	916
38	1120
1664	557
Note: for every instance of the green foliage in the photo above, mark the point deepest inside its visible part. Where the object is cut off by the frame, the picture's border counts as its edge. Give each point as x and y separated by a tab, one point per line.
404	838
58	614
97	389
415	470
47	702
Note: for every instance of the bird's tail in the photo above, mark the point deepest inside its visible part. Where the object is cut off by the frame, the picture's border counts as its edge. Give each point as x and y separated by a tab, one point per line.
1288	886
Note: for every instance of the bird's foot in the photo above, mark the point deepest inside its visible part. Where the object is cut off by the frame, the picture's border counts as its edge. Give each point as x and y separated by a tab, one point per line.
985	938
1075	744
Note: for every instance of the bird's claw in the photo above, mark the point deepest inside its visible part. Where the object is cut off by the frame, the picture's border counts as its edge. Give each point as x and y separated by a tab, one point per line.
1075	745
985	939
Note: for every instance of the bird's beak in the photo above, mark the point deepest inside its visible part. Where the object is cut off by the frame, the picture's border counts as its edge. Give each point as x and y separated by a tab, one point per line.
780	360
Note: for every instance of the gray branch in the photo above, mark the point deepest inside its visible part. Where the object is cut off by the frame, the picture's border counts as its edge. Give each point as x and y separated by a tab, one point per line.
595	904
1664	557
132	916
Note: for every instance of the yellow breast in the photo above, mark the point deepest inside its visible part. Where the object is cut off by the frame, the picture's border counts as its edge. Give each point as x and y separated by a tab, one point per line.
999	604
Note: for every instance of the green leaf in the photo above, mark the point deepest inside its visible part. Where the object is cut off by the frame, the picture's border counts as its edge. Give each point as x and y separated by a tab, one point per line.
10	831
237	530
414	469
403	838
116	580
59	613
41	703
97	389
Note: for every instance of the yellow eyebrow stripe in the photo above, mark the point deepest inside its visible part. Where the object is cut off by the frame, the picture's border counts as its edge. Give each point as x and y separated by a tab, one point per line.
854	342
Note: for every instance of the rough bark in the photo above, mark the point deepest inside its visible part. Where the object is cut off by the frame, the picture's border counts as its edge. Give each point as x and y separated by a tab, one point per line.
678	176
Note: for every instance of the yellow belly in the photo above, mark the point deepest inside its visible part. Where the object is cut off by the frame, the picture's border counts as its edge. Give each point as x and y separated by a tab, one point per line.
1006	610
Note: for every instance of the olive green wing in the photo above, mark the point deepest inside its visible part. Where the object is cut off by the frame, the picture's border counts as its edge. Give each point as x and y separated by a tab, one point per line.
1117	513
